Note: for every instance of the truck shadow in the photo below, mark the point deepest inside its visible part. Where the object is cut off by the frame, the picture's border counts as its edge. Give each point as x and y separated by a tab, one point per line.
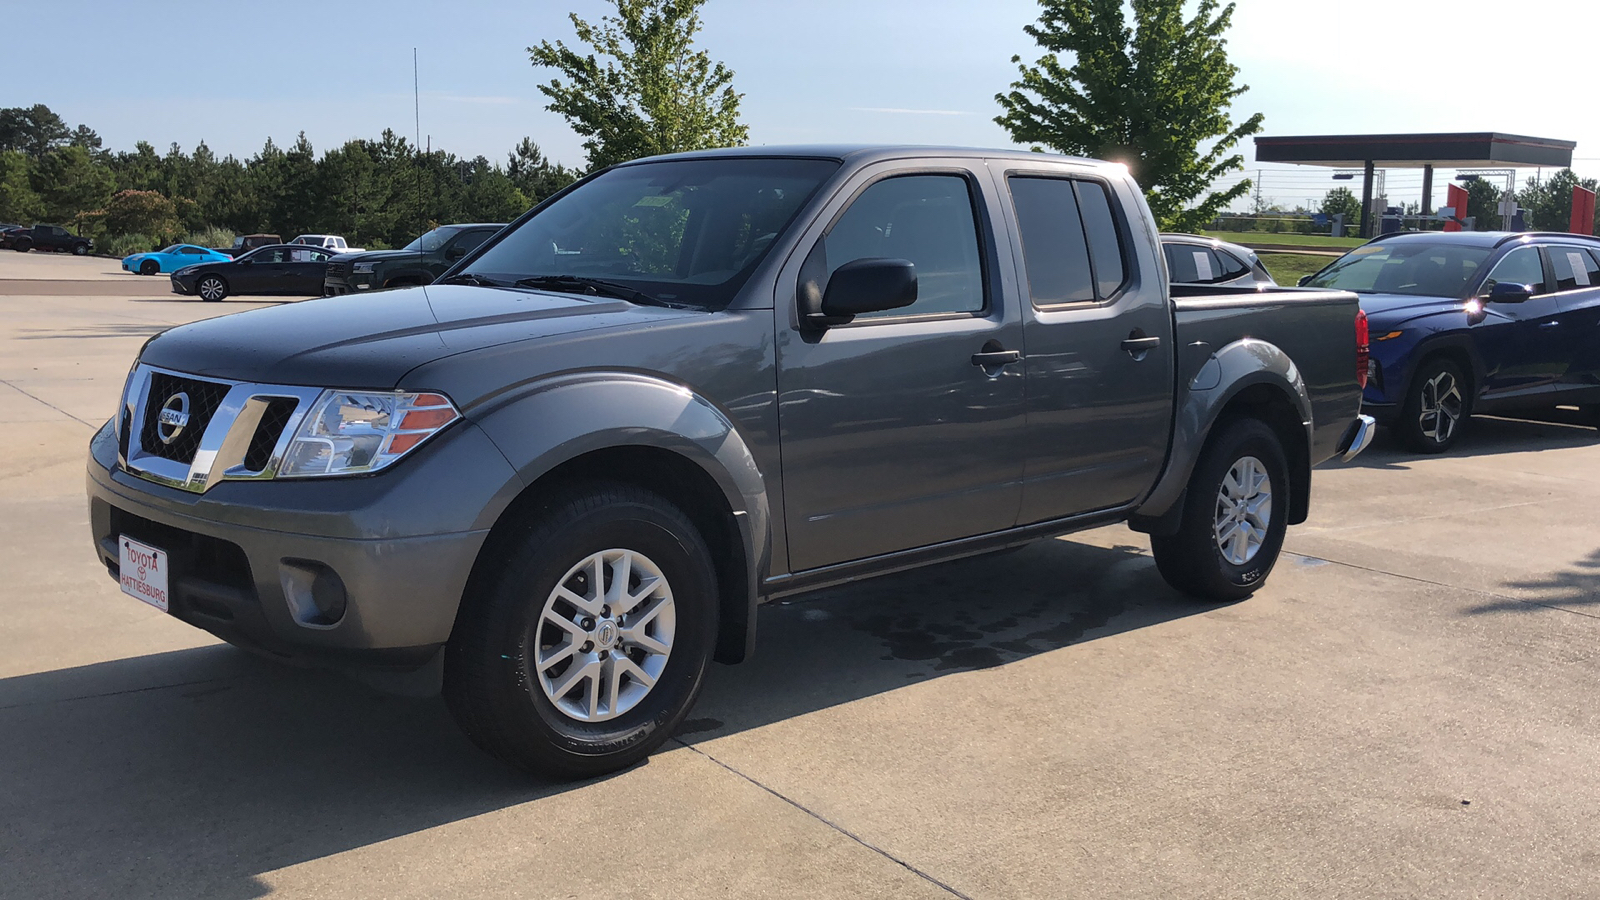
1485	436
195	772
1574	589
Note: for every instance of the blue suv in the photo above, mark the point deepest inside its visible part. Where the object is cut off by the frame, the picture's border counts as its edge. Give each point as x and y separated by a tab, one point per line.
1474	322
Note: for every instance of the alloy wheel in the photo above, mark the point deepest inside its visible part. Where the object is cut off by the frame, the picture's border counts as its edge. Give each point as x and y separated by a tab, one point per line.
1244	510
604	635
212	289
1441	407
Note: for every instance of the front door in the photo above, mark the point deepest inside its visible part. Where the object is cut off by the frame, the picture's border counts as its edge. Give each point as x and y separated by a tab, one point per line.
1523	345
1100	346
902	428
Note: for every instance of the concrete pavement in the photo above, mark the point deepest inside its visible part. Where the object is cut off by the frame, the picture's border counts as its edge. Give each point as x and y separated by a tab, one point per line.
1405	710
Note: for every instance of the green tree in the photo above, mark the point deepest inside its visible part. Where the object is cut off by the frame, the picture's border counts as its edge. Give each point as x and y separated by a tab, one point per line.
19	202
1155	96
643	89
1483	202
1342	201
535	174
1549	200
34	130
70	181
141	212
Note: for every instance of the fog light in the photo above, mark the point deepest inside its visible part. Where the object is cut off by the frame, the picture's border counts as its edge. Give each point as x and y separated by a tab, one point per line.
315	593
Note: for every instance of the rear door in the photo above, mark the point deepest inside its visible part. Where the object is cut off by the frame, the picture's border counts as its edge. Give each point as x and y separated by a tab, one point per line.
896	433
1099	344
1577	281
307	266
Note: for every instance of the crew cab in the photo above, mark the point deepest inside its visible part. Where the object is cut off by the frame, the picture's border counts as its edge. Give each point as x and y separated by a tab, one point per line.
567	472
419	262
48	237
332	243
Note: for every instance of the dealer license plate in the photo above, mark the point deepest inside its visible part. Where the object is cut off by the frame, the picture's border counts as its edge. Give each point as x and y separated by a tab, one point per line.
144	572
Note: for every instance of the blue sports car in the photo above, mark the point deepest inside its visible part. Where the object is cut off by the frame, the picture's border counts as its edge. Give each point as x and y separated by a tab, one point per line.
171	259
1474	322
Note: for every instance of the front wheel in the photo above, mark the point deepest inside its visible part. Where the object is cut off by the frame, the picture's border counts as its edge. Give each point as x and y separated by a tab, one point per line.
22	246
1436	407
584	643
212	288
1235	516
80	250
149	267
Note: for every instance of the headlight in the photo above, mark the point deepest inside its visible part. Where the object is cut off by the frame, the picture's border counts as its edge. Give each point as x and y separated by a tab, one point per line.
362	268
349	433
187	270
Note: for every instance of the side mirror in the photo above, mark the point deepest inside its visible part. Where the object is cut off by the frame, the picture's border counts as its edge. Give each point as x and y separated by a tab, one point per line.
455	253
867	285
1304	280
1506	292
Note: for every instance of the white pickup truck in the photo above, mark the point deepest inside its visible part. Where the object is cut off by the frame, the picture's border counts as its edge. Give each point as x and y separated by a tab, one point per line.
331	242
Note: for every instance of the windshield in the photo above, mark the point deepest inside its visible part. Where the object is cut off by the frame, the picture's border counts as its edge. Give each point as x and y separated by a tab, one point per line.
1418	268
172	249
431	241
682	231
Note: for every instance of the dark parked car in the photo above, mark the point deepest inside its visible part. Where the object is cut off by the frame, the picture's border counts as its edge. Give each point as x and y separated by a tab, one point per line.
244	243
419	262
563	476
279	269
5	235
1196	259
1474	322
48	237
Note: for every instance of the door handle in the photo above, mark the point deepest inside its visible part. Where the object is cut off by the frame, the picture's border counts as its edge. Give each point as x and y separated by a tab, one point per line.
1141	344
1549	324
991	358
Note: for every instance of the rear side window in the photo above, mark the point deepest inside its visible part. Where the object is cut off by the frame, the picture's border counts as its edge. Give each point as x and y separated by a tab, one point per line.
927	219
469	241
1071	245
1574	268
1232	266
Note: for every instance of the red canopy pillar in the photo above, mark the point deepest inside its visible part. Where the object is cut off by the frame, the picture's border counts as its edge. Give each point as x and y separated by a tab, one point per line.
1582	211
1455	196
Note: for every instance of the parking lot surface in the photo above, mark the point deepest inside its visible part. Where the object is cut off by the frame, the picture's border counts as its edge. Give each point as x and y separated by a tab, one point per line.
1406	710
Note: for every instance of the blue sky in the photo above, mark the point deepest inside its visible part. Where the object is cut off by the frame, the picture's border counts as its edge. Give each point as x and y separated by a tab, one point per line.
914	71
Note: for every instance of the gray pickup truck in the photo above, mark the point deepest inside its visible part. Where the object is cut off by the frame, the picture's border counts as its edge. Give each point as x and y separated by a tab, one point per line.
564	475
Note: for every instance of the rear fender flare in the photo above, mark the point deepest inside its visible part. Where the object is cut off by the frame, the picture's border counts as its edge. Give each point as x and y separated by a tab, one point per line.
1228	372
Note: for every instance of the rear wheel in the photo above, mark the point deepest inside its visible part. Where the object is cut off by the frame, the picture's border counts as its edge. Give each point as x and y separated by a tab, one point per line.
585	647
149	267
212	288
1235	515
1436	407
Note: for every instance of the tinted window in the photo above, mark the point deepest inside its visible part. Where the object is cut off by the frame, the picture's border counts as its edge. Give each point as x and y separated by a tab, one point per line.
1193	264
1231	266
308	254
689	231
1574	268
1053	249
270	255
192	251
927	219
470	240
1520	266
1105	238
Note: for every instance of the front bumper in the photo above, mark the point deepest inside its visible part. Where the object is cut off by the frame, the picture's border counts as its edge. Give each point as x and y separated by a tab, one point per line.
335	285
259	564
180	286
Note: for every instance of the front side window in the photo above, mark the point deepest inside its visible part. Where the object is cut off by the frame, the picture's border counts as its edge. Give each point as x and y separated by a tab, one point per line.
1574	268
686	231
927	219
470	240
1520	266
1192	264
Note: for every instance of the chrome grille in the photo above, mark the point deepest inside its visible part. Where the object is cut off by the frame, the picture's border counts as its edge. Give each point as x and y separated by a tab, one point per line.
203	399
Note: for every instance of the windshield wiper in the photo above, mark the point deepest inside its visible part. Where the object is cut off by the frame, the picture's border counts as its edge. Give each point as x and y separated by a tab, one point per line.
579	284
470	278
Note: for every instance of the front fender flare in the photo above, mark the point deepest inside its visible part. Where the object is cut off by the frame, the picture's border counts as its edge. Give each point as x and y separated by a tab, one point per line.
1226	374
543	424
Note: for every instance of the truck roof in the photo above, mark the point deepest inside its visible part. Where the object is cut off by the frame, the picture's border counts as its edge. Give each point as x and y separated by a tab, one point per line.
864	153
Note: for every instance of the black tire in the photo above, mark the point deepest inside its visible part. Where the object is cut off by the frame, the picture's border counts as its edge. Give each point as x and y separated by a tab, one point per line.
1441	386
22	246
149	267
80	249
1193	560
211	288
493	687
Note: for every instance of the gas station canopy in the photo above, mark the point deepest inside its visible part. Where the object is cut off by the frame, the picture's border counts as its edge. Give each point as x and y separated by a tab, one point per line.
1487	149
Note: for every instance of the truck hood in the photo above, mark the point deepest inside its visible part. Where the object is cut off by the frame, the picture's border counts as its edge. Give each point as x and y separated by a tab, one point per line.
372	340
1396	308
376	255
